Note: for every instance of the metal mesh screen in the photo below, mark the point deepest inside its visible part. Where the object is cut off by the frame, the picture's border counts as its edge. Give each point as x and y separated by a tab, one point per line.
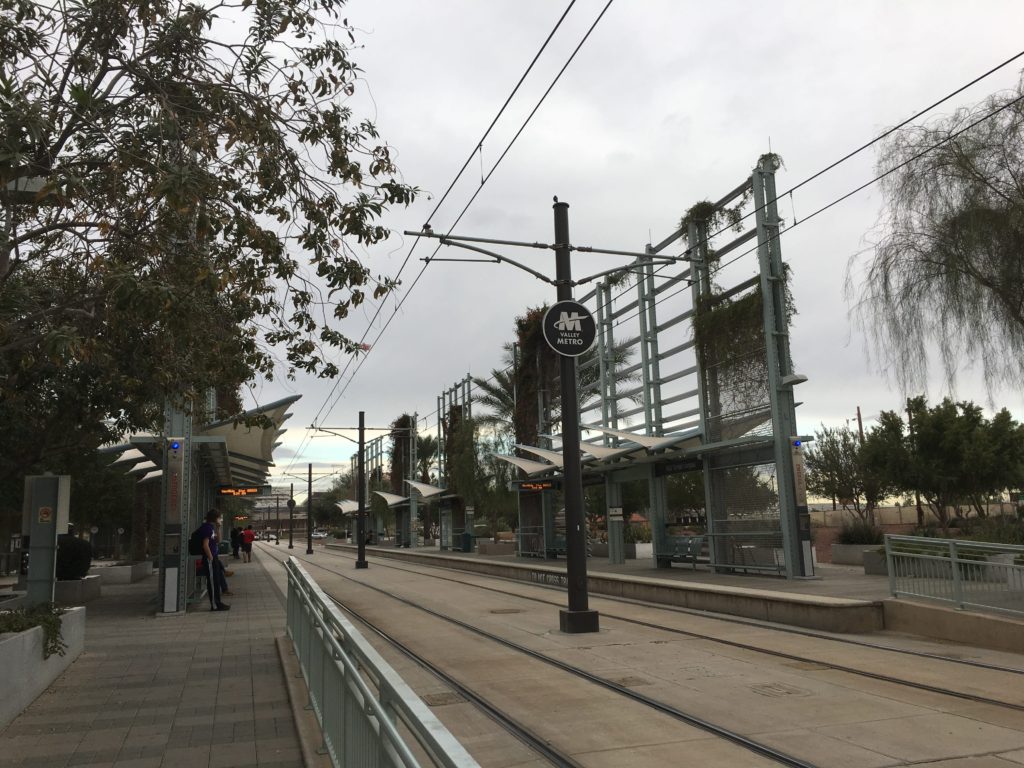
745	525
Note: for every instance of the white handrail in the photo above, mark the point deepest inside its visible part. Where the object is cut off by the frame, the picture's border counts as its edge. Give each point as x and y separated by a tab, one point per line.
358	698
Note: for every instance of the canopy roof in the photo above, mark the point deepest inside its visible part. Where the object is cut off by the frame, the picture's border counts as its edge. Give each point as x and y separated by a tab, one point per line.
425	490
236	454
391	499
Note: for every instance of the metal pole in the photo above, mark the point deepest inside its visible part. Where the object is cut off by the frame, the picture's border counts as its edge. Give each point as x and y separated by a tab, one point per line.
291	515
277	510
361	496
309	511
578	618
860	426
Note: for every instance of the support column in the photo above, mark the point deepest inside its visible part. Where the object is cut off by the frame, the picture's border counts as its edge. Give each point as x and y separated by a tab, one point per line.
659	507
616	523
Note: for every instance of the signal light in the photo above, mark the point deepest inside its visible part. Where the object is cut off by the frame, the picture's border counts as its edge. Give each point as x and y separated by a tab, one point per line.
175	445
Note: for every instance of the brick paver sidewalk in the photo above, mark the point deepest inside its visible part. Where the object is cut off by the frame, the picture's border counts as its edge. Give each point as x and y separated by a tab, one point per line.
204	689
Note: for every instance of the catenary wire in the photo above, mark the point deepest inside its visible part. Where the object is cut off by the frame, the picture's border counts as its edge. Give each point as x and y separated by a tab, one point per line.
472	199
860	149
444	196
778	196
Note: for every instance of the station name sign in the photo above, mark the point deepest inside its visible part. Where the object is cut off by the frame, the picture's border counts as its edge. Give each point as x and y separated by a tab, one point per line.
244	490
569	328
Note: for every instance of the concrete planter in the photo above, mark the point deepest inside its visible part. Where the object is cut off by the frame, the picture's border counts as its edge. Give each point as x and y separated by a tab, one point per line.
76	591
124	574
875	563
24	673
850	554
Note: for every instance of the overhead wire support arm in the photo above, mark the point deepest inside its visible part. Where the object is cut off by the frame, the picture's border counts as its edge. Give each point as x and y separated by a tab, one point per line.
498	258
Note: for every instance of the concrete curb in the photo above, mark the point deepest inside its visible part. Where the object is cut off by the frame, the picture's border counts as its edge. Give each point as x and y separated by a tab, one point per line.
306	725
819	612
995	632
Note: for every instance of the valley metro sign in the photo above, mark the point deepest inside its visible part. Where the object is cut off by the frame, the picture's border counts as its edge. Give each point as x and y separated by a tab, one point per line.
569	328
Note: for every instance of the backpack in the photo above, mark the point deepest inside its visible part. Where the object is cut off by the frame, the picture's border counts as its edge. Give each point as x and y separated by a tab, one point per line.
195	542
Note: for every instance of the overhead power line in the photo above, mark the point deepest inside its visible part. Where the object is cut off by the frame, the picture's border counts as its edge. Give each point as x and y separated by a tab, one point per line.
857	151
458	175
472	199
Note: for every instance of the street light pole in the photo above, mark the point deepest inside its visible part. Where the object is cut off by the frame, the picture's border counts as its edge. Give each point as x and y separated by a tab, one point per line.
309	513
578	617
291	515
361	496
277	514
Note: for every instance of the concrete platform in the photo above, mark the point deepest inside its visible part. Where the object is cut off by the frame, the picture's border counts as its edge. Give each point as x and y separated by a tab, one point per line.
838	599
198	689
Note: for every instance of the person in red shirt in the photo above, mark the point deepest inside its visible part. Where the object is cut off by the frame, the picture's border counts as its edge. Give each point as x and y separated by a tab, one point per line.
248	536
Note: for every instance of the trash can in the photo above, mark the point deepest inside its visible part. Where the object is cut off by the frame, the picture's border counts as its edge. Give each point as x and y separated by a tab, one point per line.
467	541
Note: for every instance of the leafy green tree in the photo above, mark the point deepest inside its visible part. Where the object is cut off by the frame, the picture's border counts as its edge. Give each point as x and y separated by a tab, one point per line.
949	262
181	183
840	467
954	456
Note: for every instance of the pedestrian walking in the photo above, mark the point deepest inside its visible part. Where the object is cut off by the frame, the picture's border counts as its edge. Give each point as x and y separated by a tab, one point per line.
248	537
236	541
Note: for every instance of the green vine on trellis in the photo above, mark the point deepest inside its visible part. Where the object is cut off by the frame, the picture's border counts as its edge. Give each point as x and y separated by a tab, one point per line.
729	337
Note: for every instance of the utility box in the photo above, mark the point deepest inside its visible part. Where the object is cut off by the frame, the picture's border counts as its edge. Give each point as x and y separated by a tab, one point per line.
44	515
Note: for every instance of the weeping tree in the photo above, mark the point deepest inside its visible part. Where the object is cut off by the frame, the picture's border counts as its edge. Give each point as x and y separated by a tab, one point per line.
948	266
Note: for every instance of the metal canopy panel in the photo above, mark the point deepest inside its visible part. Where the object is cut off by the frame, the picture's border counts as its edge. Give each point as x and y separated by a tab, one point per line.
653	442
347	506
129	454
529	467
603	452
248	446
555	457
391	499
425	490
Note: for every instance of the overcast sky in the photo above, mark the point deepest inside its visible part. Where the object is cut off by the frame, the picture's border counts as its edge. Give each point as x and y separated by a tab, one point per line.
667	103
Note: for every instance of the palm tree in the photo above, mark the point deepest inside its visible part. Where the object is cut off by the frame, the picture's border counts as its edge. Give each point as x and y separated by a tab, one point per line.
426	453
518	383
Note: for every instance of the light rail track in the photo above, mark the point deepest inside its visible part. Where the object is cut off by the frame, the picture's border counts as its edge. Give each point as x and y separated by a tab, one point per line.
891	679
519	731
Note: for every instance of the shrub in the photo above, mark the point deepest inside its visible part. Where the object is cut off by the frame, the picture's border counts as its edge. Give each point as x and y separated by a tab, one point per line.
860	532
637	534
998	530
46	616
74	557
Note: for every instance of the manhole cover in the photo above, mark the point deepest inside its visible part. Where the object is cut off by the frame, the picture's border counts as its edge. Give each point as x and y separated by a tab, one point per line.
506	610
440	699
777	690
807	665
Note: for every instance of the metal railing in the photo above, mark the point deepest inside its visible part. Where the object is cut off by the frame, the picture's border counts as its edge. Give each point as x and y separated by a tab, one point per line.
969	574
367	713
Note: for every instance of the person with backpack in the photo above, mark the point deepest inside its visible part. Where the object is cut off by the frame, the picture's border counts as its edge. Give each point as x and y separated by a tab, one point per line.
248	537
211	565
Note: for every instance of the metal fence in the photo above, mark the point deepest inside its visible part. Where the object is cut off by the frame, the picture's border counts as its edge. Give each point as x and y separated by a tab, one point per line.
370	718
969	574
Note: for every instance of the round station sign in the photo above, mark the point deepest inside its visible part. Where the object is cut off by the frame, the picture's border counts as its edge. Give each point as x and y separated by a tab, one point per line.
569	328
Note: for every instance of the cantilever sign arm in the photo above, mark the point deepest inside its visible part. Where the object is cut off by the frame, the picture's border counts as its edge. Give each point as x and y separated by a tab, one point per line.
497	257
